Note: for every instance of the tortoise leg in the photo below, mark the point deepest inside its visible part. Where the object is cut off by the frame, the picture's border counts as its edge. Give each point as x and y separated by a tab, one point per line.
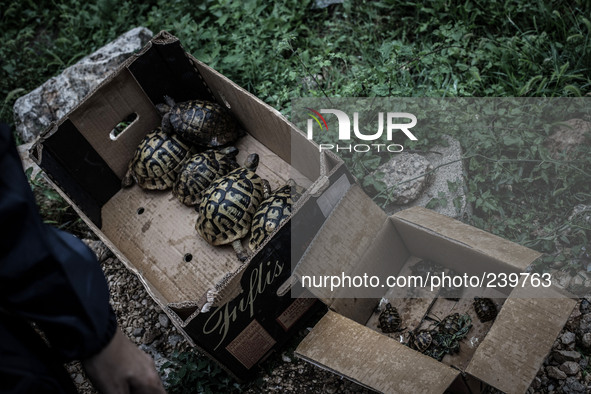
266	189
127	180
240	251
163	109
166	126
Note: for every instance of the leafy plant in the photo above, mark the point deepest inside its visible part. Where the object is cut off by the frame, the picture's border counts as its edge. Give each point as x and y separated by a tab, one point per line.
192	373
53	208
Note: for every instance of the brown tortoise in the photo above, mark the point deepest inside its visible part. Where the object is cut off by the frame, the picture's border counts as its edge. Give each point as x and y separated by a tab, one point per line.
228	205
199	122
200	170
157	161
272	212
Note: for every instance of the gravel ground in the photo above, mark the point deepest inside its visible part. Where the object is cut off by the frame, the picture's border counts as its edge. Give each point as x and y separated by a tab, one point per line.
564	370
147	325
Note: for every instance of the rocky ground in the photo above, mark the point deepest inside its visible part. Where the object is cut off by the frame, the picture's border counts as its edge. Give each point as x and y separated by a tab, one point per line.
148	326
566	369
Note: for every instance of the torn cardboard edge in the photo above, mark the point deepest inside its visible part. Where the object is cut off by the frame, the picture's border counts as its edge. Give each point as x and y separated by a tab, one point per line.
348	348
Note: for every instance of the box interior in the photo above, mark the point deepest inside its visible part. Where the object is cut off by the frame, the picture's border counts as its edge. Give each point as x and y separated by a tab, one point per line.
399	242
401	245
151	231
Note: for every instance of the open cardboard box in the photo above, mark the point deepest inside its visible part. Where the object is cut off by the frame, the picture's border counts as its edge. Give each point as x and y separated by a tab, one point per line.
231	311
505	354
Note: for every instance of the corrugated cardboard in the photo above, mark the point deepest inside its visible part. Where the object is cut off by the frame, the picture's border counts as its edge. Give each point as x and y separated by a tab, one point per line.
505	354
231	311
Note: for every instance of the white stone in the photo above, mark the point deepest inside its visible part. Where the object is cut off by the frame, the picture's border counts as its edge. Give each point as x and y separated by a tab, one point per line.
446	162
403	176
36	110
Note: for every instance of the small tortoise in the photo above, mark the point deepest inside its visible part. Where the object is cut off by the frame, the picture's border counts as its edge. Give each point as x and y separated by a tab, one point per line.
420	341
272	212
228	205
157	161
455	324
390	319
199	122
485	308
200	170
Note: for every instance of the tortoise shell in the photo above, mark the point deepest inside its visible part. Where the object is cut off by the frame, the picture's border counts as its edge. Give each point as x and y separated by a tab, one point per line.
389	319
200	170
157	161
450	324
420	341
228	205
455	325
485	308
199	122
272	212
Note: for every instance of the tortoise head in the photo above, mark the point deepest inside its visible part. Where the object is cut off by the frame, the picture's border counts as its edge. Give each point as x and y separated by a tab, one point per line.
252	162
166	106
169	100
295	189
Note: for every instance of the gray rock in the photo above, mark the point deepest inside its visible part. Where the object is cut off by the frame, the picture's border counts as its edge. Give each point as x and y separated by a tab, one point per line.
585	323
581	212
555	373
35	111
566	355
577	283
570	368
325	3
566	139
150	335
406	176
573	386
99	248
174	339
586	340
27	162
561	279
568	338
447	181
558	264
138	332
585	306
159	359
163	320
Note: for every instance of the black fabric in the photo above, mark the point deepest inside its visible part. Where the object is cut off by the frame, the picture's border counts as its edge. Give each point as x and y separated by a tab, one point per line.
27	365
47	276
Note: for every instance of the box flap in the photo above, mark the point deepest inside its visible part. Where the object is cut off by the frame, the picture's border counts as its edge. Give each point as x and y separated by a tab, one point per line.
516	345
502	250
372	359
344	237
99	113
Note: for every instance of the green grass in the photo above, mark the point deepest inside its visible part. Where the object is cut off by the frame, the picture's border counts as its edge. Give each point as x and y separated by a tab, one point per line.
366	48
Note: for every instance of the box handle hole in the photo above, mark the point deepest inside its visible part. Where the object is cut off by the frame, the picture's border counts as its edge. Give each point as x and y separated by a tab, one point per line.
122	126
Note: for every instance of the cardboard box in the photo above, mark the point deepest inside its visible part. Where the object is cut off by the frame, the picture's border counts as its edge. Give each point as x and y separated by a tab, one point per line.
233	312
505	354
